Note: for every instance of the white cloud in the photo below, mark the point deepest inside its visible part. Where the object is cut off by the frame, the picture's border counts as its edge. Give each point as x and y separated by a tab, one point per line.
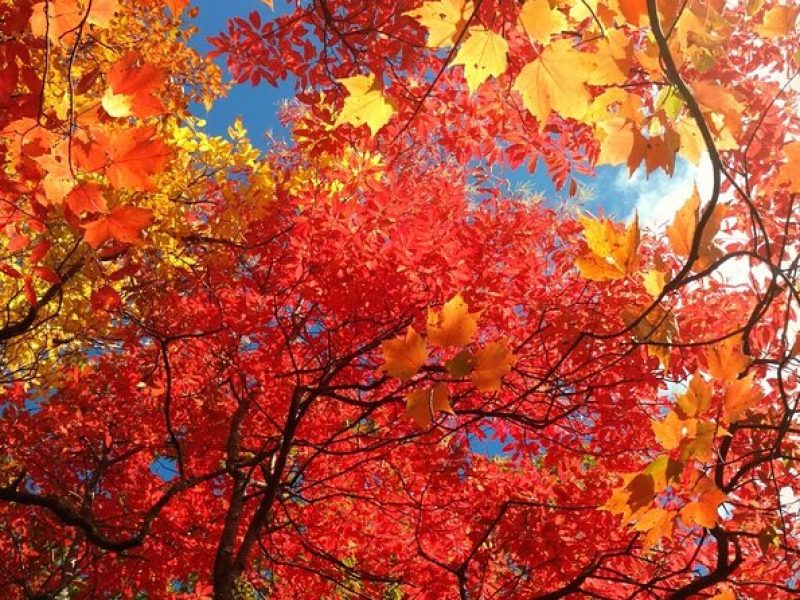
658	197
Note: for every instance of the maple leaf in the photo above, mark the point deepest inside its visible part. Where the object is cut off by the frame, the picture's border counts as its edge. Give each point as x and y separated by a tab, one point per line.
124	223
788	171
673	431
696	399
365	104
454	325
132	88
779	21
740	396
403	356
726	360
444	20
633	10
491	364
657	523
540	21
613	254
554	82
483	55
461	364
135	156
422	405
664	471
682	231
87	197
176	7
703	510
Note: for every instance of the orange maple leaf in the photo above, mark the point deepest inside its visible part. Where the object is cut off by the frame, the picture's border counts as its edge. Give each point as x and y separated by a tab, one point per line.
131	88
135	157
124	223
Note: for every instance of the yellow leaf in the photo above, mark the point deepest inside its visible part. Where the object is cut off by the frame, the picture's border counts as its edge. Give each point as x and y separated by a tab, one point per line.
555	82
654	281
540	21
740	396
778	22
444	20
404	356
491	363
657	523
696	399
725	359
692	145
664	471
454	325
422	405
703	511
609	62
365	104
672	431
483	55
613	254
701	446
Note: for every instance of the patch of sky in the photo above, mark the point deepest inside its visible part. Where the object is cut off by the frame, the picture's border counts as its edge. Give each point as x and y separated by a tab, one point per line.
258	106
164	468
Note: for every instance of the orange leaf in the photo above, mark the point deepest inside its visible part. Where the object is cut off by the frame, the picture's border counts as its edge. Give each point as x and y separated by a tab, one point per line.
703	510
491	363
422	405
454	325
682	231
725	359
135	156
695	400
132	86
176	7
124	223
87	197
740	396
404	356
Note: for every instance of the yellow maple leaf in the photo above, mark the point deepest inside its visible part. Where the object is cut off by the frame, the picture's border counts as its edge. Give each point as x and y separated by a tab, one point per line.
656	523
454	325
740	396
613	254
726	360
483	54
673	431
555	82
778	22
540	21
444	20
365	104
491	363
422	405
696	399
403	356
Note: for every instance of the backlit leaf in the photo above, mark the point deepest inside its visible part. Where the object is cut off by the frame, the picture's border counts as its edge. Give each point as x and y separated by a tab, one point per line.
404	356
365	104
483	54
454	325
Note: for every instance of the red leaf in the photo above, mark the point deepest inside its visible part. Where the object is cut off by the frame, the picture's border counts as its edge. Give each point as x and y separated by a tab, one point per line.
124	223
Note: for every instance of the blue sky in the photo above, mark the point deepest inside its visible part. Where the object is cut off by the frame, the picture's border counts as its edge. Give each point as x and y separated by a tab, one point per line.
655	197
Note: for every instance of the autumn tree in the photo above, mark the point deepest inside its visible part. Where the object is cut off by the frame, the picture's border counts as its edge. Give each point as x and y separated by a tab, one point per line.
359	363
